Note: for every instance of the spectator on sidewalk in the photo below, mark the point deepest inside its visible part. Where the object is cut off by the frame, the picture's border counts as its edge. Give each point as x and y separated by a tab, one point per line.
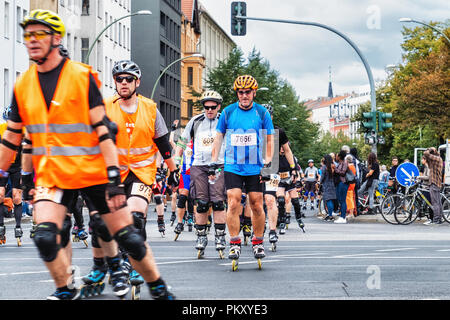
350	200
371	183
435	163
342	187
328	186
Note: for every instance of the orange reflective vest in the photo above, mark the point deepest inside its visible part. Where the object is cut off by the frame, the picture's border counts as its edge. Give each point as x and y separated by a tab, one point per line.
66	152
139	152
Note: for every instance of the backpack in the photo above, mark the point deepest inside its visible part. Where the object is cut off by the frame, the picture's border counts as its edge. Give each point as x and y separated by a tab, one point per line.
350	177
363	171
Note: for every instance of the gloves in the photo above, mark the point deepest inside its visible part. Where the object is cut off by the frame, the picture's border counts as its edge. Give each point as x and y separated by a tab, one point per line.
212	169
174	178
115	187
27	184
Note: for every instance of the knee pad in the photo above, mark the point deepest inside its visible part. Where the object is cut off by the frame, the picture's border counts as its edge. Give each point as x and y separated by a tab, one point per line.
94	241
218	206
98	227
139	220
65	231
132	242
45	240
182	201
202	206
281	202
190	205
158	199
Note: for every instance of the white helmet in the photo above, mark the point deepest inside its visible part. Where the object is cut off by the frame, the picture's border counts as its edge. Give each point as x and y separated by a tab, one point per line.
211	95
126	66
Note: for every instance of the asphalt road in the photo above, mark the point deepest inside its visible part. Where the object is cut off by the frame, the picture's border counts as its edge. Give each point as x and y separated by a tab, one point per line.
364	259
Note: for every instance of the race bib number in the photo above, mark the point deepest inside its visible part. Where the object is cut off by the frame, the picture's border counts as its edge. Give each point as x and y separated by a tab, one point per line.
50	194
284	175
142	190
272	184
243	140
311	175
188	153
207	142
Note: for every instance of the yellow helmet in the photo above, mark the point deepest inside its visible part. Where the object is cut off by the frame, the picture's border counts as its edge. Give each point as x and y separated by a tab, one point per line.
45	17
245	82
211	95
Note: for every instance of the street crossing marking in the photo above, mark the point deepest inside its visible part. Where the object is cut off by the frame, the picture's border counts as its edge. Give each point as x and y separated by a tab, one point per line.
396	249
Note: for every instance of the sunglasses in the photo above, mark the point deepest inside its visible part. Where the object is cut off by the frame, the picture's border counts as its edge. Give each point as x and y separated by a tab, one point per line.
129	79
210	108
247	92
38	35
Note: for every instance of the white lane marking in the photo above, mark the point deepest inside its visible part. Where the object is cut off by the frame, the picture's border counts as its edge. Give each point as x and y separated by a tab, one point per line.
396	249
355	255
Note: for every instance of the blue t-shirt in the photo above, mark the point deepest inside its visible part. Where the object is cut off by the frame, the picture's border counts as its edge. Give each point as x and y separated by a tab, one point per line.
244	137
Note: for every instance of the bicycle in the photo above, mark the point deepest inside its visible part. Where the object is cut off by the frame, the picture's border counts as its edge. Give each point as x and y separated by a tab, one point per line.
416	204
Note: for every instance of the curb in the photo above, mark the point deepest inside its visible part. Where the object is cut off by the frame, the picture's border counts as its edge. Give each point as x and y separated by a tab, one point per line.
10	221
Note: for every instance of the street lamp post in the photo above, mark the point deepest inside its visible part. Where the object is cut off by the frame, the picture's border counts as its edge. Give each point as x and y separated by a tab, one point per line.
423	23
352	44
198	55
138	13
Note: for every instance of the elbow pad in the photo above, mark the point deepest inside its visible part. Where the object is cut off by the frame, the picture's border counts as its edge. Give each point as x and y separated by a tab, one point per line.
164	146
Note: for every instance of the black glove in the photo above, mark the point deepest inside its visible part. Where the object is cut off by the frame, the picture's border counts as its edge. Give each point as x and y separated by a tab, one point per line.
174	179
27	184
212	169
115	186
265	176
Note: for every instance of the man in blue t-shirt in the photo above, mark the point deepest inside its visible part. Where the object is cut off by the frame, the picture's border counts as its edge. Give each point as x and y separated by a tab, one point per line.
246	127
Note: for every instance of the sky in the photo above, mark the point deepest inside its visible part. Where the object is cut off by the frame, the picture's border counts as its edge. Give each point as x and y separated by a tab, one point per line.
304	54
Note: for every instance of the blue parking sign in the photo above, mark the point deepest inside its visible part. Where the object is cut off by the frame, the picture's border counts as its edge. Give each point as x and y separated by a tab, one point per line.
406	174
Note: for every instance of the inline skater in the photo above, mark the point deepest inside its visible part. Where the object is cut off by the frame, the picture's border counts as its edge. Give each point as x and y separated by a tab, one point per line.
185	179
207	193
71	151
311	175
245	125
141	133
14	174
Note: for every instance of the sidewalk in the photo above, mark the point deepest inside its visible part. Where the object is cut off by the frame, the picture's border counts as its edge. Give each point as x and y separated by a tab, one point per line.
12	221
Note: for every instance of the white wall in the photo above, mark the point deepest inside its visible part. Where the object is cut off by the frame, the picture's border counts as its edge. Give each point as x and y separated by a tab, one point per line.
13	54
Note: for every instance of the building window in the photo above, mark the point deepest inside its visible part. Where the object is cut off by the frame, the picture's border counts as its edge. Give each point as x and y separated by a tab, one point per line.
84	48
6	87
190	76
99	56
85	7
6	22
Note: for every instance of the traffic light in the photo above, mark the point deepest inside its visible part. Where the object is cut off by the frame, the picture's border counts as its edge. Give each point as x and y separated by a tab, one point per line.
238	26
382	124
371	123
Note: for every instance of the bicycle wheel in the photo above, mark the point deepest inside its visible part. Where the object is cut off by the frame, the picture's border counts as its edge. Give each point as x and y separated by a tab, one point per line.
446	208
408	210
388	207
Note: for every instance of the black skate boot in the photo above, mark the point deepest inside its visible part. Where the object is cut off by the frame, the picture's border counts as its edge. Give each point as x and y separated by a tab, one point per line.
202	241
178	229
118	276
273	239
18	233
2	235
161	225
160	291
220	241
172	218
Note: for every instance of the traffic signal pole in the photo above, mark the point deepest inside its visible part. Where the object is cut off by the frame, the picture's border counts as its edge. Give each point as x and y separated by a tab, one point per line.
373	102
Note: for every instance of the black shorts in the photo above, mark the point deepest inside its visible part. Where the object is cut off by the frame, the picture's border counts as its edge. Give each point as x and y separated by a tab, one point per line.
94	195
14	177
246	183
134	187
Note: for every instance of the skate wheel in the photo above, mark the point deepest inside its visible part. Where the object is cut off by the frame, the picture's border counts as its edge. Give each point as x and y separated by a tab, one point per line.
274	247
259	264
176	237
234	265
245	240
163	234
221	254
135	293
86	243
200	254
19	243
190	228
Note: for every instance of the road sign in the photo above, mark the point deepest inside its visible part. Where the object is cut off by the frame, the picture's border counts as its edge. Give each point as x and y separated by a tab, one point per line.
406	174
